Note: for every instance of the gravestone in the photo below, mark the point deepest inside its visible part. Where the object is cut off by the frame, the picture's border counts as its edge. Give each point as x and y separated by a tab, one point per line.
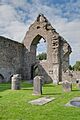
78	83
37	83
16	82
67	86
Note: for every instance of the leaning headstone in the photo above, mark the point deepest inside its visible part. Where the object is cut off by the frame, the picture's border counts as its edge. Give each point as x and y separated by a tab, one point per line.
16	82
37	84
67	86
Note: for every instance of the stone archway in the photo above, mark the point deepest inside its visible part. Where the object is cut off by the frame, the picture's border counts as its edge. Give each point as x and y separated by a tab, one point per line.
53	66
1	78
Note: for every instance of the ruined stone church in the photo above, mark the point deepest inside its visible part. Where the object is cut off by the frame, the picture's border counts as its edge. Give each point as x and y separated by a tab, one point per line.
20	58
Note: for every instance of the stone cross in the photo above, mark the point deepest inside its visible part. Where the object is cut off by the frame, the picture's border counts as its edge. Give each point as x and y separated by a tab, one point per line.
16	82
37	84
67	86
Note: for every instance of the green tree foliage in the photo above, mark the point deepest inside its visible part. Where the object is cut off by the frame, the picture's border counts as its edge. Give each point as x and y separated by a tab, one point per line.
42	56
77	66
70	67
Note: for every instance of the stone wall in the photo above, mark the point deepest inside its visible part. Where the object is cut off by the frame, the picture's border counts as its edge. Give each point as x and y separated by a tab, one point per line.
11	58
17	58
58	49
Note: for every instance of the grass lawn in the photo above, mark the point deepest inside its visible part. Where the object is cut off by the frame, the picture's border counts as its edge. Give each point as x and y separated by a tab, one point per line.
14	104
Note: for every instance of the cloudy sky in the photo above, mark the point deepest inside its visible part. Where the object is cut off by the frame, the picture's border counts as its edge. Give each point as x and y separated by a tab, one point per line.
64	15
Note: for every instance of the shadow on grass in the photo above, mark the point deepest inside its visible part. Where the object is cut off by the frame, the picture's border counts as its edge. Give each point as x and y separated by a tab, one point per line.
48	85
26	88
4	86
51	93
75	90
26	85
7	86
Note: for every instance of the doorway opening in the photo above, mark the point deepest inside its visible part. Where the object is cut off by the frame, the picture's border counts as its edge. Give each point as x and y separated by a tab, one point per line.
1	78
38	51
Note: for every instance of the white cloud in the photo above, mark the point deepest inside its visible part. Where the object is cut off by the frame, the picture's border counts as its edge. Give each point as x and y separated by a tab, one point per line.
10	23
71	32
17	15
42	46
16	31
7	14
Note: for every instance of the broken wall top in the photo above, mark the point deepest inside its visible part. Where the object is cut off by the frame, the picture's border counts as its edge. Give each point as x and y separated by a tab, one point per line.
42	28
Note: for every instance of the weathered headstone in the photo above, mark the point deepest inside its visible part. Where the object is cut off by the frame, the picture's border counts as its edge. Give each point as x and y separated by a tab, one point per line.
67	86
78	83
37	83
16	82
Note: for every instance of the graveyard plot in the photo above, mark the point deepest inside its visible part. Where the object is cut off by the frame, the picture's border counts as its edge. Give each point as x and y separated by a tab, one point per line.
14	103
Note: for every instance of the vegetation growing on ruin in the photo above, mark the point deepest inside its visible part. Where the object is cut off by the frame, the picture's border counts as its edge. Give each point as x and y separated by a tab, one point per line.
75	67
42	56
14	104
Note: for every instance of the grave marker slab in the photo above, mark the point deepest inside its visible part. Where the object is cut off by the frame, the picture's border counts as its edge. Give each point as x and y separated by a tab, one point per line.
41	101
74	102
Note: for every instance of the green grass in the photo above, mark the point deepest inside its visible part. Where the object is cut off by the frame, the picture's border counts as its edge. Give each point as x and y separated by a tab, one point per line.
14	104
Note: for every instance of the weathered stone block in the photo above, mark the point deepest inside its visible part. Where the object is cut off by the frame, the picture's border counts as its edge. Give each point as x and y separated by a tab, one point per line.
37	83
41	101
16	82
67	86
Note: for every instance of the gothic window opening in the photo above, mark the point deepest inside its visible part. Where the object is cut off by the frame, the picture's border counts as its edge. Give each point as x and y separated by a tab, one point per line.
41	50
